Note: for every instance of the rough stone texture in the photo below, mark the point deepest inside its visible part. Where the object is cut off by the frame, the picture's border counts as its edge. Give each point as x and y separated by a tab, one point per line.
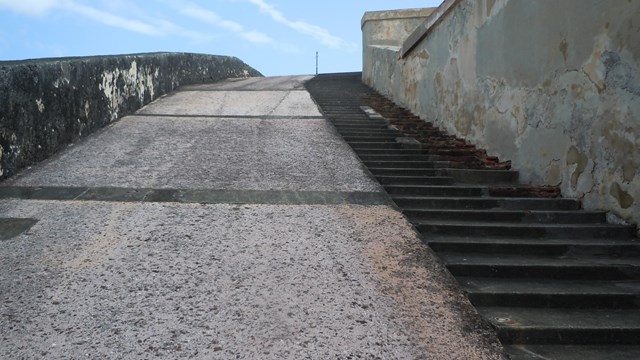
209	153
559	98
46	104
254	103
226	282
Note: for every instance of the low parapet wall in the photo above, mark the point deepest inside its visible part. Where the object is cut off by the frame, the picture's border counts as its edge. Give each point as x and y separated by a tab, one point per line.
553	86
46	104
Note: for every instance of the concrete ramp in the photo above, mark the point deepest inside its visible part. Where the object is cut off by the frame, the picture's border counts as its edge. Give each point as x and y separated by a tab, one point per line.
223	221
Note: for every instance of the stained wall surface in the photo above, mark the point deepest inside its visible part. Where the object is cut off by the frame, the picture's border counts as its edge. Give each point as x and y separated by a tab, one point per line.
48	103
553	86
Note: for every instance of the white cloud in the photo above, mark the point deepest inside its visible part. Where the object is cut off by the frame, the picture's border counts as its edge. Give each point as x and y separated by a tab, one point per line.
167	27
31	7
256	37
210	17
151	27
302	27
113	20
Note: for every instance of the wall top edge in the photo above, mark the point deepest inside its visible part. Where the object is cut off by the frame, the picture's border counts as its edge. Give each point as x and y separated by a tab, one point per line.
423	30
37	61
396	14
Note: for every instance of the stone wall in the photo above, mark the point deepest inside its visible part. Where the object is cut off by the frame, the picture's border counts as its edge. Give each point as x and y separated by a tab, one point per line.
48	103
553	86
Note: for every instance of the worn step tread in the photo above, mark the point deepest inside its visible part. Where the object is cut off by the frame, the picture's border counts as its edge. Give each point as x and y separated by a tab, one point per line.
387	180
540	242
511	203
525	229
525	216
519	225
572	352
408	164
404	157
366	151
526	260
548	286
488	291
564	325
435	190
379	132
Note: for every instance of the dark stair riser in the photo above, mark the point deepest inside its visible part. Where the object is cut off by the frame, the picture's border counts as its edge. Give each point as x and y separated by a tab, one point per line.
360	125
407	164
576	301
530	231
414	180
376	145
391	139
583	272
434	191
535	231
576	249
572	352
378	132
419	157
512	335
417	151
522	216
486	203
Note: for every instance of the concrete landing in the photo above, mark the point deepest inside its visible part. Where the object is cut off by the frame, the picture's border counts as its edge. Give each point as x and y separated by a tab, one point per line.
223	221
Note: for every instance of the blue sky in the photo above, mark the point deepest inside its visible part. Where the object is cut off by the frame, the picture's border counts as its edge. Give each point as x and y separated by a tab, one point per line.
277	37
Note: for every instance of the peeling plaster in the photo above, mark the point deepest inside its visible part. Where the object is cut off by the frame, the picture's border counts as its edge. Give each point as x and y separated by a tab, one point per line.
40	105
624	199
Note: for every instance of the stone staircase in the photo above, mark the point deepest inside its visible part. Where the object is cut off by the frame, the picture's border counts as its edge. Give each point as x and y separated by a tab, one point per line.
555	281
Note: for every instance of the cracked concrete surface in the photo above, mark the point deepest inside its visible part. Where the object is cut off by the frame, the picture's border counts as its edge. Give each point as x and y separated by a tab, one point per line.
141	280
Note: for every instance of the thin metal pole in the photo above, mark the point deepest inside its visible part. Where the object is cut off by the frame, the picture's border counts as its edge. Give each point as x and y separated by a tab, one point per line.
316	63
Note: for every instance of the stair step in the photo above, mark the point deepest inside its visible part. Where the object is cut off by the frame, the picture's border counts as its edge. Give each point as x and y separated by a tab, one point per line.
411	180
619	248
370	138
524	216
390	151
564	326
401	157
375	145
528	230
426	202
407	164
377	132
482	176
356	119
551	293
435	190
400	172
343	126
348	116
578	267
572	352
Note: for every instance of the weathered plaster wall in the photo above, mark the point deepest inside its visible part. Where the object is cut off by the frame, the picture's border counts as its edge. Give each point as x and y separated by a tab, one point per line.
553	86
48	103
386	30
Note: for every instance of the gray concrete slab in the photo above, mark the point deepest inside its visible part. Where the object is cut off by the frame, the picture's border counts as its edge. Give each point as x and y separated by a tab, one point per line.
206	153
250	103
274	83
136	281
